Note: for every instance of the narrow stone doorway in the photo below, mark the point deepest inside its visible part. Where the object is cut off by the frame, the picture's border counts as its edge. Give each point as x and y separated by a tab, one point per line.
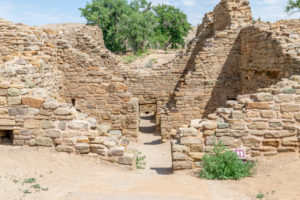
158	155
6	137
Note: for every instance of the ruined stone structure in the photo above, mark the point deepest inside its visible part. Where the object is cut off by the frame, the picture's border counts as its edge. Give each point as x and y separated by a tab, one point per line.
236	82
48	76
261	105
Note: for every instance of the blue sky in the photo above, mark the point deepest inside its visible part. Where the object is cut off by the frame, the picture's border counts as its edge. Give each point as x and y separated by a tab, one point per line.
38	12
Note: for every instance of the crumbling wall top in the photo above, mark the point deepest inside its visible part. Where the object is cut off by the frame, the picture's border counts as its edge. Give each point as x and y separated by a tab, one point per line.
234	13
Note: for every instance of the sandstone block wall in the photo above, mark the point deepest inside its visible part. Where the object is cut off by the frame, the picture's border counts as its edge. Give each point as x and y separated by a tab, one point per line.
33	107
263	124
213	65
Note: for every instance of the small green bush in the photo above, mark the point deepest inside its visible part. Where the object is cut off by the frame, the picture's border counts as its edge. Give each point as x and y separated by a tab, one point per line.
29	180
140	161
224	164
260	196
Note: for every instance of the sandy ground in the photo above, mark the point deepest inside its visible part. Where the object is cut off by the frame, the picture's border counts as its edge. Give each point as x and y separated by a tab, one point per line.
74	177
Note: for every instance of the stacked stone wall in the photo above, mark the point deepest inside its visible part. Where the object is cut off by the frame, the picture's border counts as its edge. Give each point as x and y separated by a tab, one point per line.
212	66
262	124
33	107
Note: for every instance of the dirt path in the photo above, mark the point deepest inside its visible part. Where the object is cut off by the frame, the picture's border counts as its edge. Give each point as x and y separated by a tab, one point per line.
75	177
158	155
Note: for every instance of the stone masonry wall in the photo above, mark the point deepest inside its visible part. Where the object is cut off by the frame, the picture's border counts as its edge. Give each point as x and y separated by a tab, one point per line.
212	66
262	118
89	80
32	111
263	124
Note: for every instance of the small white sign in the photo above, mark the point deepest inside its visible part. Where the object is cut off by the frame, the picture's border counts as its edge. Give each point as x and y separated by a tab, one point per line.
241	153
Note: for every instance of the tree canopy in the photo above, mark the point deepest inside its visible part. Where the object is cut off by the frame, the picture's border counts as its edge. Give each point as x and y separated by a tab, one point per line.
293	6
137	25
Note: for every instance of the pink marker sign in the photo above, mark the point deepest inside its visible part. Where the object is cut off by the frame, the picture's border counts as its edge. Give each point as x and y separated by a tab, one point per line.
241	153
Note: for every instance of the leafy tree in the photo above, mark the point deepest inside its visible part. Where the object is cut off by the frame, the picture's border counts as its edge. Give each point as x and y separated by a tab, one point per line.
293	6
140	25
108	15
173	26
137	24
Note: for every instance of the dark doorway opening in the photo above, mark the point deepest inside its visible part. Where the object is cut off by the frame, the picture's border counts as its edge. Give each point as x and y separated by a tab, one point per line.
73	102
6	137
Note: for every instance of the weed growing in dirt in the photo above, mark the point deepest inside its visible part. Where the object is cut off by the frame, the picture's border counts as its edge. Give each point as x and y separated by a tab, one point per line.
140	161
134	57
224	164
36	186
27	192
29	180
45	189
260	196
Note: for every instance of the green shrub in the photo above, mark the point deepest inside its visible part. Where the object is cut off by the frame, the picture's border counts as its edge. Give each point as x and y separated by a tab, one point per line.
260	196
140	161
224	164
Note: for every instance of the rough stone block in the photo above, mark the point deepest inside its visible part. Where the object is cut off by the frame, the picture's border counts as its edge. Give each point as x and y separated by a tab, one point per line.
190	140
237	125
197	148
14	100
274	143
237	115
268	114
116	151
7	122
78	125
196	156
116	133
283	98
258	126
180	165
62	111
62	125
180	148
52	133
222	125
82	148
183	132
209	125
31	123
252	142
258	105
44	141
34	102
290	141
3	92
179	156
47	124
263	97
50	105
13	92
290	108
127	159
63	148
18	111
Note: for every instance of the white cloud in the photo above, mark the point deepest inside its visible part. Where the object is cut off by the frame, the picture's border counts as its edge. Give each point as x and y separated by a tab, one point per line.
189	2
